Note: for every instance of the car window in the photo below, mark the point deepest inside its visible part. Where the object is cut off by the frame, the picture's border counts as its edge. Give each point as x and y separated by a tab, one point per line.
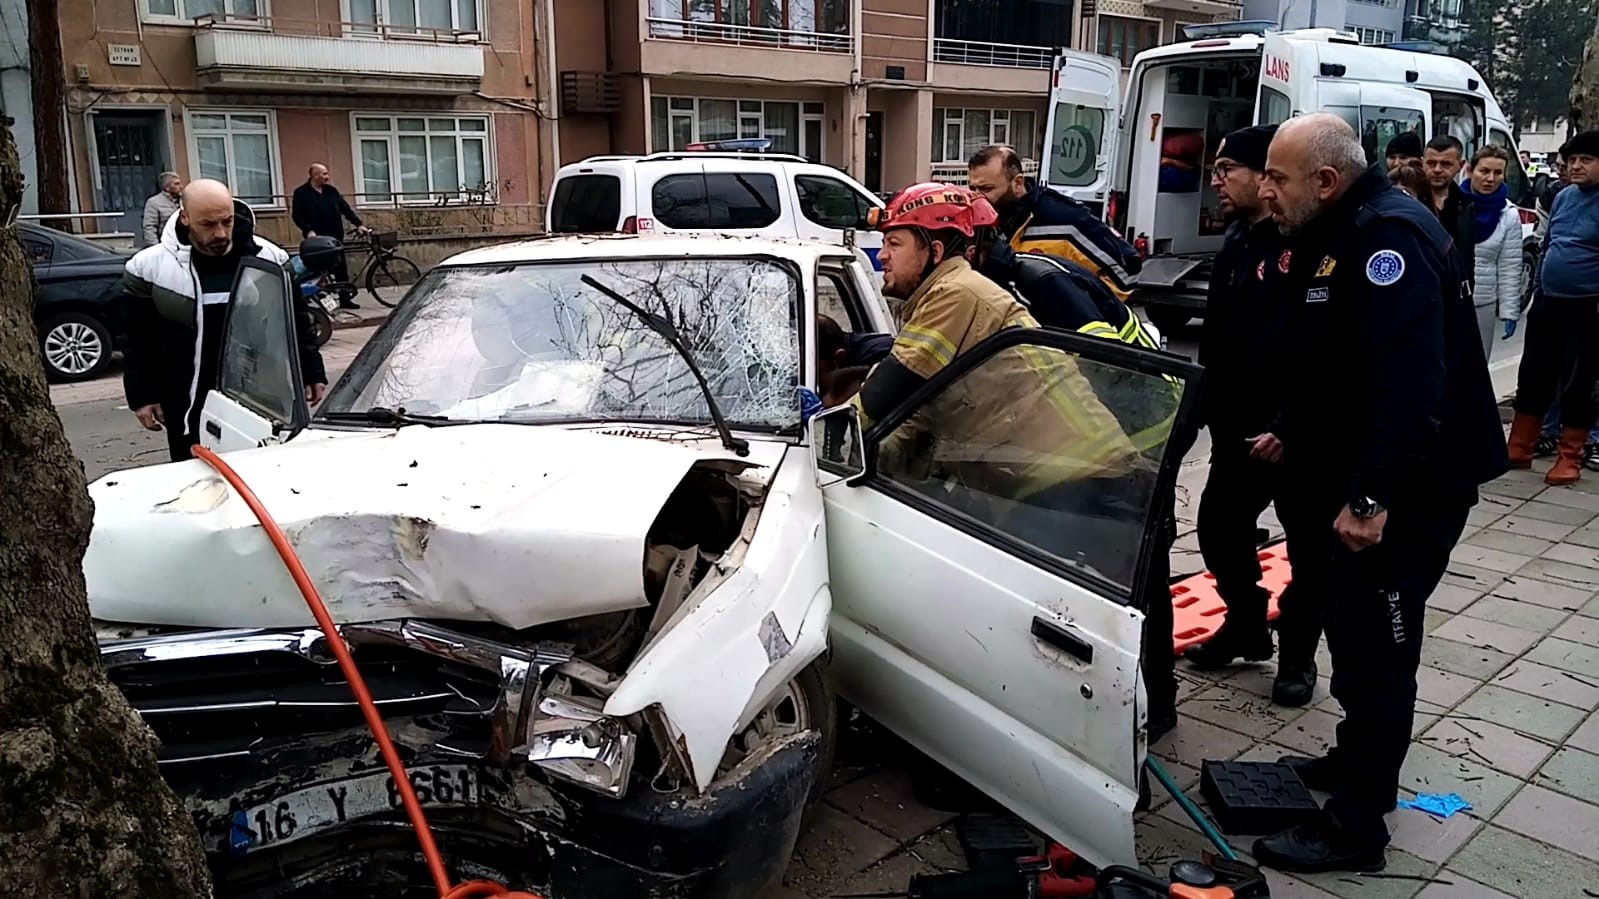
723	201
38	250
1046	448
830	300
830	202
1379	125
535	343
257	368
585	204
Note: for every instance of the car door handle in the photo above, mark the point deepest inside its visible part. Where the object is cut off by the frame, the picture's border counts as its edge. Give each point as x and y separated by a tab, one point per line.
1063	640
214	429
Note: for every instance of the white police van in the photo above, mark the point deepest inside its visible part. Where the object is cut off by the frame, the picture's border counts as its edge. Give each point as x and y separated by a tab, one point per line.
1146	155
732	187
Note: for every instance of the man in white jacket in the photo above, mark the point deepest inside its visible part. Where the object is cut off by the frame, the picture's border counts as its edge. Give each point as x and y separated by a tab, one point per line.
176	300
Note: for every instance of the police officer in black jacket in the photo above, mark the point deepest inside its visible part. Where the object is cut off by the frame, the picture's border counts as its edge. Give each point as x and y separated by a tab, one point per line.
1244	349
1390	427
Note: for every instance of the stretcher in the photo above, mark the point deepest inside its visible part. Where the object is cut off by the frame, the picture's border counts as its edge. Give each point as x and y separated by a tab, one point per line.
1198	610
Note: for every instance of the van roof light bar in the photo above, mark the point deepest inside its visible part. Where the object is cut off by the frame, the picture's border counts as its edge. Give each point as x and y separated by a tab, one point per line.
1228	29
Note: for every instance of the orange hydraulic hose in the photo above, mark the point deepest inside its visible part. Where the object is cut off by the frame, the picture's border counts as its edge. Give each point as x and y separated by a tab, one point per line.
369	709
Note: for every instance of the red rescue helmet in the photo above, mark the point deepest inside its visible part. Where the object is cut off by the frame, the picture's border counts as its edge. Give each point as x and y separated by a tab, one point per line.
930	206
984	215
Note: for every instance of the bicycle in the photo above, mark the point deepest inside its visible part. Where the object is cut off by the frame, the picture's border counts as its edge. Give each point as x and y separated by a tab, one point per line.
384	269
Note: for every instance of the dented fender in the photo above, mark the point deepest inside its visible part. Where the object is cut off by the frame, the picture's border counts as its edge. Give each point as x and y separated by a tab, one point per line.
723	657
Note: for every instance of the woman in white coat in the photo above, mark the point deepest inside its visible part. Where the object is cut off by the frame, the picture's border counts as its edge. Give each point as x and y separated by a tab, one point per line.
1498	273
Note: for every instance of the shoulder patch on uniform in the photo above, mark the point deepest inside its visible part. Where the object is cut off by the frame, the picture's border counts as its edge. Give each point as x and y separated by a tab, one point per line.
1284	261
1260	271
1326	268
1385	267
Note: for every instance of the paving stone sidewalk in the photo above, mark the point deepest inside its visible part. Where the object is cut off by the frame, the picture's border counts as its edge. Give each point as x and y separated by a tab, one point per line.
1507	718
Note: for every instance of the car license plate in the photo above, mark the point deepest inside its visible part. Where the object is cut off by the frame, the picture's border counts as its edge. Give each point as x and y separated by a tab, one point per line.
328	301
331	803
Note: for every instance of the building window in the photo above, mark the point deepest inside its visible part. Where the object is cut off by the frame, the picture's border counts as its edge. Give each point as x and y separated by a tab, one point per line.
416	159
1125	38
815	16
1371	35
188	10
959	133
240	150
792	127
414	16
1022	23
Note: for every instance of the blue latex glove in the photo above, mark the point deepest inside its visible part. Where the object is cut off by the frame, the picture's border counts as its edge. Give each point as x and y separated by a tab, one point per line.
810	404
1510	327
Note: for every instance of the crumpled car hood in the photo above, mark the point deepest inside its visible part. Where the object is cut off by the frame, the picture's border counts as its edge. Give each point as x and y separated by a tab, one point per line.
513	524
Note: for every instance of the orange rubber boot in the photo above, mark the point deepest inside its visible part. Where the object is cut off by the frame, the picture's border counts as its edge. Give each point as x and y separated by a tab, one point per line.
1568	468
1524	432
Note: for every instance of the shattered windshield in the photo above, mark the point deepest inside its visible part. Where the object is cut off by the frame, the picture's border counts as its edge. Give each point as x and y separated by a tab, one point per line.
532	343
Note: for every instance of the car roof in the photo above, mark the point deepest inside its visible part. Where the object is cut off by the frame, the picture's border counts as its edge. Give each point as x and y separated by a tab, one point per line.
558	247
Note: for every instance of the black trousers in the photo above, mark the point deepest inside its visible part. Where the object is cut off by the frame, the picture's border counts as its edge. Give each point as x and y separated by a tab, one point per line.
1374	631
1238	490
1561	358
1157	656
180	443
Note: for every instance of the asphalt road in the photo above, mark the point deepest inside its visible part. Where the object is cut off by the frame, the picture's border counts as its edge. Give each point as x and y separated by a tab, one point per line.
107	438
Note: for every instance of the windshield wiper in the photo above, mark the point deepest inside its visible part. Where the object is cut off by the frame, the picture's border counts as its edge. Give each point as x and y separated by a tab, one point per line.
660	325
383	415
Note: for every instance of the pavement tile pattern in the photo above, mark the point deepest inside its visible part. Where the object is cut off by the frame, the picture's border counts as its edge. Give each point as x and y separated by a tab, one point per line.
1508	717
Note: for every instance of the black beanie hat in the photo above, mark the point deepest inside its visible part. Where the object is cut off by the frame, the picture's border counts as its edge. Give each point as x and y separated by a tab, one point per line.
1407	145
1247	146
1585	143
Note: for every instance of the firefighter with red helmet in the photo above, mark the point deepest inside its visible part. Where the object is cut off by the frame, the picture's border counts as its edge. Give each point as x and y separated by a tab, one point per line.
1021	437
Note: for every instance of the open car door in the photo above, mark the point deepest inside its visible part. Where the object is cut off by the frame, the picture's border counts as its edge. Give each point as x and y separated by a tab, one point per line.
1000	634
1080	136
260	394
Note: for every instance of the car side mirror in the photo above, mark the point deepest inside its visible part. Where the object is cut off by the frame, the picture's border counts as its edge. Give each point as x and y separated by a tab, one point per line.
836	445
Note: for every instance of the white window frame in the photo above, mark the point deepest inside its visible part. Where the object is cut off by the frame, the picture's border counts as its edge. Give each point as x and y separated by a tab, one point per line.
258	20
999	129
384	27
274	153
820	118
749	119
392	137
1371	36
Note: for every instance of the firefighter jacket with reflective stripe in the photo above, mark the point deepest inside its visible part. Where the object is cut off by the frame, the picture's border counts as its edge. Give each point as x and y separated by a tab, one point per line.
1022	421
1062	294
1048	222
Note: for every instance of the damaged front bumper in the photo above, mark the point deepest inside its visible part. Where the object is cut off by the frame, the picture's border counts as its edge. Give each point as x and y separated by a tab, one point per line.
527	779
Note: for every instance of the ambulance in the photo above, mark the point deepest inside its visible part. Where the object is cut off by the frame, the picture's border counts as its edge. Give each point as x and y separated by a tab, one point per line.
1143	153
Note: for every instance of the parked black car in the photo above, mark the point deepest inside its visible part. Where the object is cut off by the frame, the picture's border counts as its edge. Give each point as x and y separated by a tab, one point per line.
78	310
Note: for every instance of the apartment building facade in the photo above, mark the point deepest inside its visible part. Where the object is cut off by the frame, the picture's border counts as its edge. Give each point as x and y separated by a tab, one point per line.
1375	21
892	91
420	108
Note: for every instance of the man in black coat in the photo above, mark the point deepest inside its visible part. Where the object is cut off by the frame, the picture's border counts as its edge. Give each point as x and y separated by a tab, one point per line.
320	211
1389	428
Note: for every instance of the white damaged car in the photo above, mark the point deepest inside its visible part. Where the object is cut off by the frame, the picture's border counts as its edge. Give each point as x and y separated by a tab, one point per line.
602	580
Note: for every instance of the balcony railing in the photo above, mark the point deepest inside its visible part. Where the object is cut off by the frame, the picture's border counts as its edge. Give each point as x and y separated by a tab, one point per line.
314	55
334	29
747	35
985	53
956	172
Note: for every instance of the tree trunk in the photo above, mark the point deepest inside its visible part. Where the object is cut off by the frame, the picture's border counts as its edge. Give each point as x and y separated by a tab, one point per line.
49	104
83	810
1585	87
